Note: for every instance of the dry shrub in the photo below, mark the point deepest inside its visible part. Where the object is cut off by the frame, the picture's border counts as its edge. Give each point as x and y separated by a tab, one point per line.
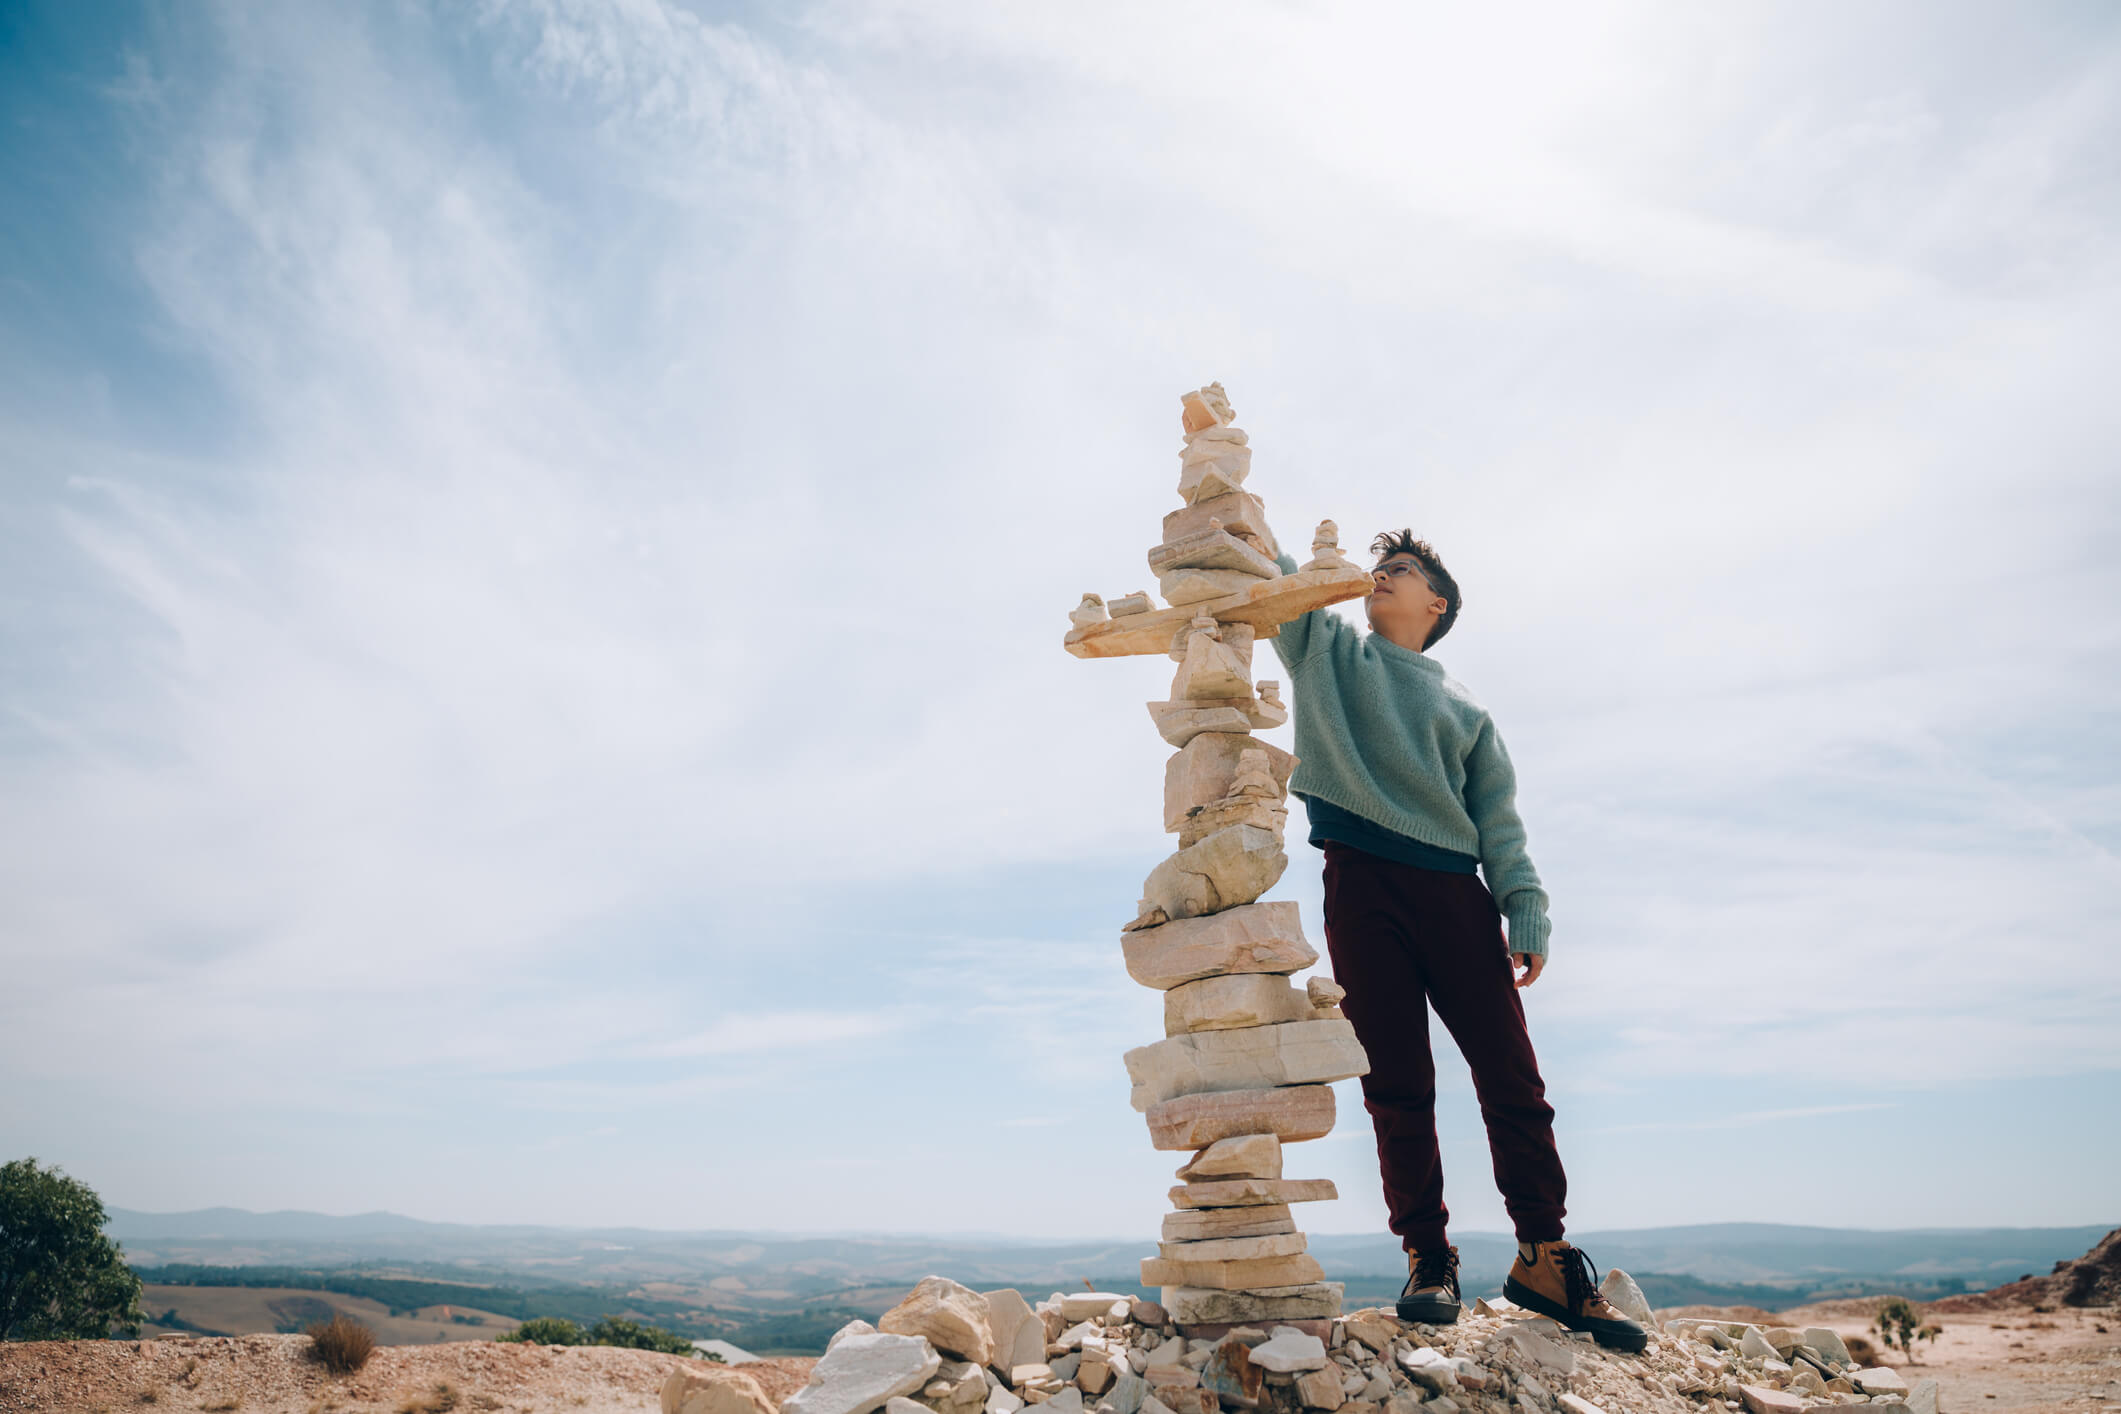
151	1395
1861	1350
439	1400
342	1345
222	1405
191	1367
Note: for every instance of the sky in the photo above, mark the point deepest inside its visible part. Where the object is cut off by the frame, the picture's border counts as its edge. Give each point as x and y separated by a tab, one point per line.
535	539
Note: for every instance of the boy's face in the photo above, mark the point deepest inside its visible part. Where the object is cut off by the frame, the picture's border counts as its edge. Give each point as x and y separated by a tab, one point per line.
1402	606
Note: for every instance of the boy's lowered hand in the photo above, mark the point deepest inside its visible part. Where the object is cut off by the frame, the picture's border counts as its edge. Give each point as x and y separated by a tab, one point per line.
1533	964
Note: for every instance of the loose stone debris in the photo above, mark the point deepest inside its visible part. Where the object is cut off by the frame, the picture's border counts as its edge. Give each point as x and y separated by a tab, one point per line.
1102	1352
1247	1057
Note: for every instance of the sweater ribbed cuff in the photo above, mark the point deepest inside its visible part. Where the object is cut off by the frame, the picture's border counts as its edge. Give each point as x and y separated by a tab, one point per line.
1529	924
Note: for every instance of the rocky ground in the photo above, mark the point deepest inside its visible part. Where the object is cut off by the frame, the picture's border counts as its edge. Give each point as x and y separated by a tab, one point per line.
1103	1354
273	1374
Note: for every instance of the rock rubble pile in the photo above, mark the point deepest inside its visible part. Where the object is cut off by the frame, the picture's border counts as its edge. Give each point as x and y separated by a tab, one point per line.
948	1350
1247	1057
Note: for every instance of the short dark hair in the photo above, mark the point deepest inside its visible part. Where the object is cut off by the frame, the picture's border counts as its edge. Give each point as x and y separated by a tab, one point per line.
1402	542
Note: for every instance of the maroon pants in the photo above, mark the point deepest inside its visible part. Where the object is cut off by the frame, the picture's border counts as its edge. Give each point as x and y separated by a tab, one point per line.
1403	940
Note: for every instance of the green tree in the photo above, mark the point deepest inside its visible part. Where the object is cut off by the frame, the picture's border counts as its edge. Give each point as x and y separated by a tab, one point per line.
1899	1323
60	1277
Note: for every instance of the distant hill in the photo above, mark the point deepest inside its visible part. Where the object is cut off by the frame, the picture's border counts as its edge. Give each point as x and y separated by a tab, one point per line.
785	1271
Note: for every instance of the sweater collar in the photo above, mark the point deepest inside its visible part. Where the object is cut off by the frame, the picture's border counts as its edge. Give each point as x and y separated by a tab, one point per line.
1398	654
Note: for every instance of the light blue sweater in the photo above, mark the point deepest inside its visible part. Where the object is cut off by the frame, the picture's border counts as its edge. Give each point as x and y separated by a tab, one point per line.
1385	733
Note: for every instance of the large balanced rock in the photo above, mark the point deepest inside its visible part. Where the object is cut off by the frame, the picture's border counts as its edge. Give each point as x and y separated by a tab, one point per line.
952	1317
1258	937
860	1372
1228	868
1256	1058
704	1388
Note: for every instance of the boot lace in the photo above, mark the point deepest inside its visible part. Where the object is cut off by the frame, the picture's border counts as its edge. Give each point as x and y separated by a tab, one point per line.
1579	1279
1435	1269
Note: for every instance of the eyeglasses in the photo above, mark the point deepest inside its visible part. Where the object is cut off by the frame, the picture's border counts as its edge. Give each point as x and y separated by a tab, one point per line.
1400	569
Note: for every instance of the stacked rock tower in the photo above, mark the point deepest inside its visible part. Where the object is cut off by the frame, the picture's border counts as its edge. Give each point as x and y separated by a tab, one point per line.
1248	1058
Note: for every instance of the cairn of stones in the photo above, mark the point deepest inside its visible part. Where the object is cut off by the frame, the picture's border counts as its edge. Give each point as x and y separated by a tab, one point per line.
1248	1058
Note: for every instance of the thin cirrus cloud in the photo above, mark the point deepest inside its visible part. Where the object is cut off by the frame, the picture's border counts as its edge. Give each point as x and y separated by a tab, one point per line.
535	544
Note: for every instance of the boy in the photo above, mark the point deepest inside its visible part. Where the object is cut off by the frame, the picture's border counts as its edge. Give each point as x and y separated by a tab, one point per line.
1409	792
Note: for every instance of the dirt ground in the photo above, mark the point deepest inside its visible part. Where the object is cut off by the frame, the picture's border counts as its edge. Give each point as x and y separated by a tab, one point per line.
273	1374
2022	1360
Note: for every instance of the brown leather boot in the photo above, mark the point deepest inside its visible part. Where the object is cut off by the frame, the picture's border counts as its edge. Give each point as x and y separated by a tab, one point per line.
1430	1297
1557	1280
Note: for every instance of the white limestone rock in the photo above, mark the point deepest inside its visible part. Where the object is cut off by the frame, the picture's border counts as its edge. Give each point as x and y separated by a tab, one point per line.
1233	1002
1089	1305
1828	1343
1019	1335
1200	1306
1204	770
953	1319
1620	1290
1234	1249
1255	938
1244	1156
859	1373
1228	868
1290	1351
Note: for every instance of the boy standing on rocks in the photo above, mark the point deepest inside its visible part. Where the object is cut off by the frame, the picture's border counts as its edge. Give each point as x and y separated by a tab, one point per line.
1412	797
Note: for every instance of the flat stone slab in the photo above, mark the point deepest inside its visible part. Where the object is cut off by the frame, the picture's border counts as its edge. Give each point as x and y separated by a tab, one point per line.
1252	1192
1235	1249
1210	1224
1291	1113
1259	1057
1217	1330
862	1372
1266	606
1246	1275
1762	1400
1254	937
1193	1305
1290	1352
1232	1003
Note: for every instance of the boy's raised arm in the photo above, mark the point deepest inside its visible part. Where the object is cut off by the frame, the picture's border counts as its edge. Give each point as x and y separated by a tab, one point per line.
1307	634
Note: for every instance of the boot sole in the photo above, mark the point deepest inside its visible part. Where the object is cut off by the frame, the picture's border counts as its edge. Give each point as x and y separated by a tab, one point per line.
1632	1338
1429	1313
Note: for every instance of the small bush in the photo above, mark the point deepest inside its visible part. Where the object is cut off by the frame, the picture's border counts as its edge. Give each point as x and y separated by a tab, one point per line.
632	1335
342	1345
546	1330
1861	1350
